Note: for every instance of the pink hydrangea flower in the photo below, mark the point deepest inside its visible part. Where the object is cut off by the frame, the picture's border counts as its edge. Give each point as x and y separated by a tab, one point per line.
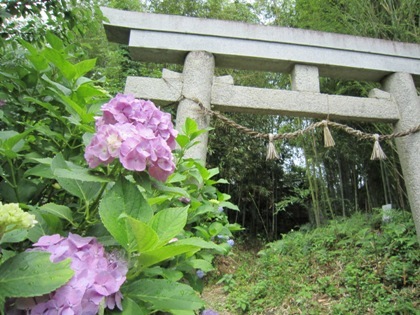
137	133
97	278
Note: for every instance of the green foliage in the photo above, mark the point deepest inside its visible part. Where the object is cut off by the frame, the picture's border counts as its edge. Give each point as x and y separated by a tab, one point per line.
165	295
31	20
46	121
351	266
31	274
50	104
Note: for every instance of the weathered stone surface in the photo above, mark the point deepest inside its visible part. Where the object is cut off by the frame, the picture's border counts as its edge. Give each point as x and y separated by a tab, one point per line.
402	88
305	79
302	104
169	38
161	91
226	97
377	93
198	78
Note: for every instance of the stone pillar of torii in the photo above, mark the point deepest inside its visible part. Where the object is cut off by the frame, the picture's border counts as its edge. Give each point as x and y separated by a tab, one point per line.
203	44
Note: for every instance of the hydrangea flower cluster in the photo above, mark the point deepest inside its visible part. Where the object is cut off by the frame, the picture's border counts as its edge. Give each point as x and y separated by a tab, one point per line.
226	238
97	278
13	217
200	273
137	133
230	242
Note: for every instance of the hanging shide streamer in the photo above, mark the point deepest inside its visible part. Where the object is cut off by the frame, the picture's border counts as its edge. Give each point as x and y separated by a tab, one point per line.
378	153
271	151
328	139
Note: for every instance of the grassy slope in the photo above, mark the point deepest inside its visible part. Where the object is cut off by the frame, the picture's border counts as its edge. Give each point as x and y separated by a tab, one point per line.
359	265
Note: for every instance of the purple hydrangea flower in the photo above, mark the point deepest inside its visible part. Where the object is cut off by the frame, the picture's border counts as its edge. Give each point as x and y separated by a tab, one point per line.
137	133
209	312
200	273
98	277
231	242
220	209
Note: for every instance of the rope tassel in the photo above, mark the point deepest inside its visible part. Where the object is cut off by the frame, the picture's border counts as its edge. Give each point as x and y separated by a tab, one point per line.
271	152
378	153
328	139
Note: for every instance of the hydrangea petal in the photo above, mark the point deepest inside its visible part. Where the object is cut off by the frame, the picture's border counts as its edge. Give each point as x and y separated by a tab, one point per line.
97	276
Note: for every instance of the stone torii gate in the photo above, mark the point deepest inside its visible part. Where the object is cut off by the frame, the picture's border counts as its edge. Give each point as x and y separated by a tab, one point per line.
202	44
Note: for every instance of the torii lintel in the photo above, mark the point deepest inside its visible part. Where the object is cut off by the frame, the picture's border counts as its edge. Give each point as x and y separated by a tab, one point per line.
168	38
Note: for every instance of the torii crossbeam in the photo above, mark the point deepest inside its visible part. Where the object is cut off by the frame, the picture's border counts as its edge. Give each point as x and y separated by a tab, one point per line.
202	44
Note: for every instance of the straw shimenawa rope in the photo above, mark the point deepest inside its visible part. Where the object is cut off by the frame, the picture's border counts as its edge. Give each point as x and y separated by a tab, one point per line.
377	153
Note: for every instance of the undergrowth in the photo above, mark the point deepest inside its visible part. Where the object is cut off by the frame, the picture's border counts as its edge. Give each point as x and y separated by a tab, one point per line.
358	265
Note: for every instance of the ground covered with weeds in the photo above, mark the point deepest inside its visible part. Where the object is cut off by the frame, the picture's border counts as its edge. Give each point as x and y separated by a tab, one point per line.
358	265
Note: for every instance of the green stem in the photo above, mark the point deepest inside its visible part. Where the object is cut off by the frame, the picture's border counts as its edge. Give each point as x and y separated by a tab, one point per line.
95	204
13	183
135	274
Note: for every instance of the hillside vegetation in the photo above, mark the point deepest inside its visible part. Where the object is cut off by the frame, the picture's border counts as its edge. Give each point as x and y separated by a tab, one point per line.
358	265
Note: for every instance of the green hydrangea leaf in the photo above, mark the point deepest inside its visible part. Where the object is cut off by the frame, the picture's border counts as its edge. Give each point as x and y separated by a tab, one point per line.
169	223
123	198
164	295
32	274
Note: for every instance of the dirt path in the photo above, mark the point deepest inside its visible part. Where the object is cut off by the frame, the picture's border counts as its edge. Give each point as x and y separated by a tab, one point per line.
215	298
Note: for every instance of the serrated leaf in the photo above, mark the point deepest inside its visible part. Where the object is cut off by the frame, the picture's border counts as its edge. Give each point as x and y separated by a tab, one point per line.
158	200
169	274
65	169
28	46
164	295
14	236
198	133
199	242
169	223
52	110
145	237
130	307
12	141
131	200
201	264
175	190
38	61
215	228
84	67
229	205
212	172
123	198
155	256
190	126
65	67
175	178
182	140
32	274
60	211
61	88
84	190
54	41
6	254
80	175
76	110
47	225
